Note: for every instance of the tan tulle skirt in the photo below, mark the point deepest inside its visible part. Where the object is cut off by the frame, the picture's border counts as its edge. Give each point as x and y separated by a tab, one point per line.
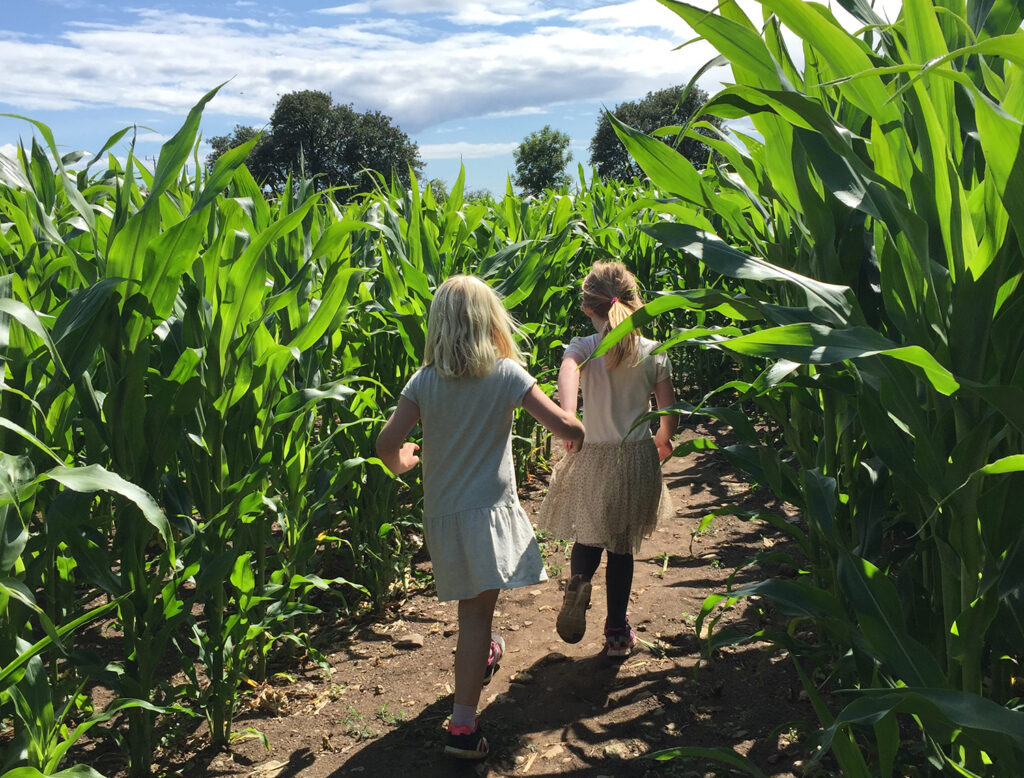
607	495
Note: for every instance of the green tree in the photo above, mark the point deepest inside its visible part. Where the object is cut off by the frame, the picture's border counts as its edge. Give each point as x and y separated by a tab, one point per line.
541	159
438	189
258	162
663	108
333	142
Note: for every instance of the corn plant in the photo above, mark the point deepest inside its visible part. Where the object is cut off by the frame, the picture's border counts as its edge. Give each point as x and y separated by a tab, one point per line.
180	332
871	225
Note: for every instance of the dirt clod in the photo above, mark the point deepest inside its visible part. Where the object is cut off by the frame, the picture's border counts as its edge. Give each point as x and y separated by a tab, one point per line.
410	640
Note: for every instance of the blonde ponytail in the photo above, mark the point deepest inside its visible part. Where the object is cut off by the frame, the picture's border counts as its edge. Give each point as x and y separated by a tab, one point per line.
610	291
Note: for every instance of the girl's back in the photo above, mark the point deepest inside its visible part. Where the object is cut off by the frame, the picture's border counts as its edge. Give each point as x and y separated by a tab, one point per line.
614	399
467	436
480	539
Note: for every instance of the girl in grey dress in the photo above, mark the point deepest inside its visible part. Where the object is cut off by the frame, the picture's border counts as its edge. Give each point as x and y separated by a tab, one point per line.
479	538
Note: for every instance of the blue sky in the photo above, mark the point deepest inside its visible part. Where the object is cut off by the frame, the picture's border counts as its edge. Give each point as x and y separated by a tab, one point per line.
465	79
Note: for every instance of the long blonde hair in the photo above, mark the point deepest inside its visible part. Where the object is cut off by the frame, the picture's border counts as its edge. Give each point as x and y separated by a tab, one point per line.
468	329
611	292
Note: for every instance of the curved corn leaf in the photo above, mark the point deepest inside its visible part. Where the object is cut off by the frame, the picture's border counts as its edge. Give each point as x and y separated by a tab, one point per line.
711	754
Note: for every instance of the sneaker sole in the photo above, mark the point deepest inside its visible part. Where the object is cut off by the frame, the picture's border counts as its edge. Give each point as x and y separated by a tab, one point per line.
492	669
572	619
619	653
462	753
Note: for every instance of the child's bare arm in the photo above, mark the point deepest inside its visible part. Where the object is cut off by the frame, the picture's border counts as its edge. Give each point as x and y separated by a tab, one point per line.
569	384
397	455
568	392
665	395
558	421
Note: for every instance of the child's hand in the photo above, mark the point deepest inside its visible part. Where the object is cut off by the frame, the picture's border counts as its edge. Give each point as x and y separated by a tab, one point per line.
407	459
664	446
573	446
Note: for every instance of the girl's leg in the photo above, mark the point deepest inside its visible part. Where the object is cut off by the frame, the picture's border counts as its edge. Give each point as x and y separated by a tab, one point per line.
473	645
619	578
584	560
571	623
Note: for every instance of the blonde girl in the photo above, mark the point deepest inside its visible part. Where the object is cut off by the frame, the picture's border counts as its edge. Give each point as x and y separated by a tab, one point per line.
609	495
479	538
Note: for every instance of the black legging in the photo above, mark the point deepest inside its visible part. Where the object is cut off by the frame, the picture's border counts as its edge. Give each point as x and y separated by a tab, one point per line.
618	578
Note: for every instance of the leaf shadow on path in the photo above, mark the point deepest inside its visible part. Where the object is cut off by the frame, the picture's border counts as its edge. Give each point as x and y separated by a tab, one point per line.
589	717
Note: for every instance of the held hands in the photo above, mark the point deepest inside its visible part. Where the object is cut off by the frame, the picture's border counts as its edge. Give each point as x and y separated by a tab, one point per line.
575	443
407	459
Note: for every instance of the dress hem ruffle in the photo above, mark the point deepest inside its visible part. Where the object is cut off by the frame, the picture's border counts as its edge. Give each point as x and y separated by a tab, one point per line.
478	549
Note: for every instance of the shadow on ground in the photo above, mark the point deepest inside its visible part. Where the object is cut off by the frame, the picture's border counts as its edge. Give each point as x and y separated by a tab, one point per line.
587	718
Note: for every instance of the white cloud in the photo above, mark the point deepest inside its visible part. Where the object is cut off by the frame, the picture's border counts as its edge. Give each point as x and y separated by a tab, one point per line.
344	10
461	150
410	68
526	110
164	62
151	137
480	14
633	15
9	150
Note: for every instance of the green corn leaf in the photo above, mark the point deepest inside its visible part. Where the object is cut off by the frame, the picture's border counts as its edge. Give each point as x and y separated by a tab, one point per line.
794	598
816	344
126	252
880	616
306	398
223	173
843	53
739	43
95	478
175	152
24	433
1009	464
1002	138
30	320
77	332
666	167
245	286
711	754
8	671
117	706
820	492
166	258
830	302
78	771
968	711
340	286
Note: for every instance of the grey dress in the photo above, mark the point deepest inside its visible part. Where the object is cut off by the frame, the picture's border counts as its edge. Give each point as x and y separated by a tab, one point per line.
477	533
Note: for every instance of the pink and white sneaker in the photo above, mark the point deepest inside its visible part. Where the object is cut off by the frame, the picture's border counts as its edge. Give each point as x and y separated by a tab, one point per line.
497	651
619	641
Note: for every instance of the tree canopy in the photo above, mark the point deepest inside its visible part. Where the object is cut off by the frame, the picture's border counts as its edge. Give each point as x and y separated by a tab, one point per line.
541	159
333	142
663	108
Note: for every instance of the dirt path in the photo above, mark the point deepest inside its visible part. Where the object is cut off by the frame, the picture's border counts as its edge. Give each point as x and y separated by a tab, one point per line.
553	709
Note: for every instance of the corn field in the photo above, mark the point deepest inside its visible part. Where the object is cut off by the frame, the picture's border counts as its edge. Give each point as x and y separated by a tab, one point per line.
194	375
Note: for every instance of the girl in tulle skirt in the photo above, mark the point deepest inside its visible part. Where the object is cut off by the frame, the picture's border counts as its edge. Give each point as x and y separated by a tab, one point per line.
608	495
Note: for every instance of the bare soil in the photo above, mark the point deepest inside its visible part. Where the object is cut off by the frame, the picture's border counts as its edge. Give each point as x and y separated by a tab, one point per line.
553	709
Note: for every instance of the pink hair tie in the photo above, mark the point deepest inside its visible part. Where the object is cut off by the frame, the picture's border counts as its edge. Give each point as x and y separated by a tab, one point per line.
614	300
